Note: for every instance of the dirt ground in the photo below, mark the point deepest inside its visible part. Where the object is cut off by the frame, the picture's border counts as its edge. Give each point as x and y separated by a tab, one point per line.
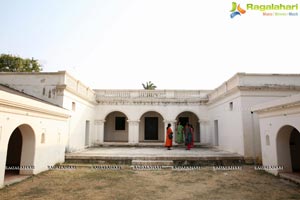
204	183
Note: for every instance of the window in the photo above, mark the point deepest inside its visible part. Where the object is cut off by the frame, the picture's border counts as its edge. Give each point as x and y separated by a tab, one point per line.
73	106
231	106
120	123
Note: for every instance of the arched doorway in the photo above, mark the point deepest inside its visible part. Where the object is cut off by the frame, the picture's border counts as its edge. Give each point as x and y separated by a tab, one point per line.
14	150
295	150
288	149
116	127
190	117
20	151
151	127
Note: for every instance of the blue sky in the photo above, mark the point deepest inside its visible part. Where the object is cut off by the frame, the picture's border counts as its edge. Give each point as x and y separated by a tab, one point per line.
177	44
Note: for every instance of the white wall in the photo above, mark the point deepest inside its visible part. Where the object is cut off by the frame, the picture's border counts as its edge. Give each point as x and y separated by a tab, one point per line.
270	124
239	129
249	99
230	123
251	123
84	111
61	89
37	118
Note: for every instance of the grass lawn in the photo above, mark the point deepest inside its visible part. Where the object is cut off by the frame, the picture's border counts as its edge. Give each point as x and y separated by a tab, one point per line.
86	183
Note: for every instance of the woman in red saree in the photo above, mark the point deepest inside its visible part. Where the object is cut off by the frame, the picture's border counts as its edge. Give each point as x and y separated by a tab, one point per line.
169	137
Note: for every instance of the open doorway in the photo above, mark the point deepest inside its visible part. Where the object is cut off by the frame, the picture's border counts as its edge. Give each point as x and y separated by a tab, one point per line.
295	150
20	153
14	150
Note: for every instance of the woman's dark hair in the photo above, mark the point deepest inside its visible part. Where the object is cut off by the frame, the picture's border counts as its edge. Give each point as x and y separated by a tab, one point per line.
169	125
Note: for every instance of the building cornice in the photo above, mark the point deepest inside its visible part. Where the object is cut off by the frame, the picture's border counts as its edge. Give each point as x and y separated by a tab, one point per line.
270	87
255	82
291	104
74	92
284	111
150	102
254	88
219	97
33	73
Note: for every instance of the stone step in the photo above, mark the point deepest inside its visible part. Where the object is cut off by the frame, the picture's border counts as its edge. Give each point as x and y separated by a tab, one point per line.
152	162
159	161
294	177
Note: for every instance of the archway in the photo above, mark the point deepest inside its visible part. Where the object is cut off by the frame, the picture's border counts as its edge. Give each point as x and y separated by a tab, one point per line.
295	150
288	148
116	127
151	127
14	150
191	118
20	151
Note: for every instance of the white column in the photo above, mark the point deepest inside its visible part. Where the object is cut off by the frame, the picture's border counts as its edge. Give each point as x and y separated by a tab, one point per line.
133	131
173	127
3	153
2	165
99	131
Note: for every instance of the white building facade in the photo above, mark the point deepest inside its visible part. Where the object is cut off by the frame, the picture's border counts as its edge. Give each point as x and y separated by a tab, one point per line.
222	117
33	134
280	134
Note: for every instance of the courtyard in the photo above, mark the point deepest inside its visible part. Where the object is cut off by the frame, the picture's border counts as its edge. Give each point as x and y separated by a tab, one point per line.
125	182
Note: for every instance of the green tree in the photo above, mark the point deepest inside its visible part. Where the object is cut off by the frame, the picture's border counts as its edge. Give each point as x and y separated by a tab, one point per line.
149	86
11	63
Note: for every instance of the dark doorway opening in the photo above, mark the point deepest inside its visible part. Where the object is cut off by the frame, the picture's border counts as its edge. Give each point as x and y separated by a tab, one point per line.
295	150
151	128
14	150
184	120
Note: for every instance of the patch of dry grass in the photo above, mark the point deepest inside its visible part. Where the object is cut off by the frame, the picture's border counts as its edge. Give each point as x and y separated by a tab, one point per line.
162	184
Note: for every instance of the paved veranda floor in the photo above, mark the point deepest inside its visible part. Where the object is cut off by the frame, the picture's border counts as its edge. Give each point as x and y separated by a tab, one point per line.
150	152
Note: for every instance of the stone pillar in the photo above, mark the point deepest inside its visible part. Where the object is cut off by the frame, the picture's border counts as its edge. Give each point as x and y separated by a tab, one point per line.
203	132
99	131
2	165
3	153
133	131
173	127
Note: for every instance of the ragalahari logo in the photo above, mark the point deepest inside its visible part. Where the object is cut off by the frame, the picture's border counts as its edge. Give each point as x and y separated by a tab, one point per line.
236	10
